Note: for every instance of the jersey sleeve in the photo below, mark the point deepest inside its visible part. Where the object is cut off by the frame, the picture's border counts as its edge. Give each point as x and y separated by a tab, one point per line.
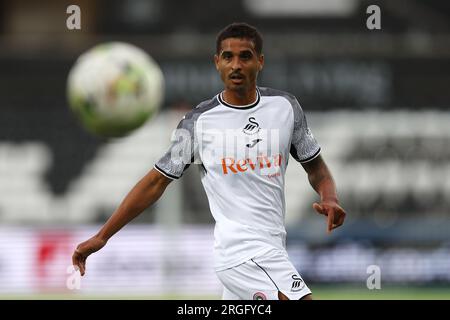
304	146
181	151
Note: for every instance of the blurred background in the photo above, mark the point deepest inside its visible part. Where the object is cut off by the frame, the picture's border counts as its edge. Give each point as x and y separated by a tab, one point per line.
377	101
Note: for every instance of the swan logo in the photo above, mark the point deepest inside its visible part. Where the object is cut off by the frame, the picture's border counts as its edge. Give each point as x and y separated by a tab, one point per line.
252	127
297	284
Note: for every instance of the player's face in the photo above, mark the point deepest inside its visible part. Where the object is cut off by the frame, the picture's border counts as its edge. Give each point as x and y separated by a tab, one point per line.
238	64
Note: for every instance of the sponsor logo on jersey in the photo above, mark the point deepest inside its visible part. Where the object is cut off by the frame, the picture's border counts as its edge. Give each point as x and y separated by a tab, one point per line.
298	283
252	127
253	143
233	166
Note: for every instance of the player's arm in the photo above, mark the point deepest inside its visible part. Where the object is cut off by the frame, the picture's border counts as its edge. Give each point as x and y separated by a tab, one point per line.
322	181
146	192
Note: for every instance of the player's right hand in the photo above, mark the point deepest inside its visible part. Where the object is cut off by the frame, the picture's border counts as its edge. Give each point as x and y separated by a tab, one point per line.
83	250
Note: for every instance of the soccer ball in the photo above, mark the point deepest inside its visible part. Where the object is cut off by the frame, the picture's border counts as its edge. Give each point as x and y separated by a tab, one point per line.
114	88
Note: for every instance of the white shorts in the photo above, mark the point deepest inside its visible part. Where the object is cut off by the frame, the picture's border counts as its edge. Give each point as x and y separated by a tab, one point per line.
262	277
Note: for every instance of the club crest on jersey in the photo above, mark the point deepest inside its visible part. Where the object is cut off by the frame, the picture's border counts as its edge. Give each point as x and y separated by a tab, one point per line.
297	284
252	127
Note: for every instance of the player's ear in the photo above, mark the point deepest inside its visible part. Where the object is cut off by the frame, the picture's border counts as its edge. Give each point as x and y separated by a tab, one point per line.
216	61
261	61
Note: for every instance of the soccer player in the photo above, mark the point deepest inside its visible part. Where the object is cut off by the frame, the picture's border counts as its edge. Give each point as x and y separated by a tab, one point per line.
242	138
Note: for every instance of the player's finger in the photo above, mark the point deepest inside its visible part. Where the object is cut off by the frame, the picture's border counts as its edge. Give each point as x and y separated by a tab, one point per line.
78	261
75	259
341	219
330	220
83	267
340	216
77	267
319	208
80	266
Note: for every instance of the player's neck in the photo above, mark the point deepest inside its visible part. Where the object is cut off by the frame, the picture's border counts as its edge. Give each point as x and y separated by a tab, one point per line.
238	98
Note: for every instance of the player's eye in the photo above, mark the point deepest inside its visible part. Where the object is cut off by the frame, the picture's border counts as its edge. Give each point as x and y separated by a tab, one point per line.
226	55
246	55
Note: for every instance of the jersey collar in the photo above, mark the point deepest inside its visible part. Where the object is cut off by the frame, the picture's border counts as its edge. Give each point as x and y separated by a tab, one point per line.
245	107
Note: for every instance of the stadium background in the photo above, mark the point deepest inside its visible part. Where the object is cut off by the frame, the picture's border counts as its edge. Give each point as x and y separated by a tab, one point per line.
377	101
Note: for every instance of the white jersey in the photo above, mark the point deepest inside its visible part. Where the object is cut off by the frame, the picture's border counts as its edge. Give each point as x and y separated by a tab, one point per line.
243	152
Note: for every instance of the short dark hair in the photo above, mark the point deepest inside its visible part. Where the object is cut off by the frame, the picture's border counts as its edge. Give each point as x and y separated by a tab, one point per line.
240	30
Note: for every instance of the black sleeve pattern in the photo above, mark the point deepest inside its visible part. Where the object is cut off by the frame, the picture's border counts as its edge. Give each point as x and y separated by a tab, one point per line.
304	146
183	149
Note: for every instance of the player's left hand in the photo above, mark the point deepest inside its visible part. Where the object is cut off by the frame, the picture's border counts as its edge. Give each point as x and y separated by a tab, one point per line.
333	211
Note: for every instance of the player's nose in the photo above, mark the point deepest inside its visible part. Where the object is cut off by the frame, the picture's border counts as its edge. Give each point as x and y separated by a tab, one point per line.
236	64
